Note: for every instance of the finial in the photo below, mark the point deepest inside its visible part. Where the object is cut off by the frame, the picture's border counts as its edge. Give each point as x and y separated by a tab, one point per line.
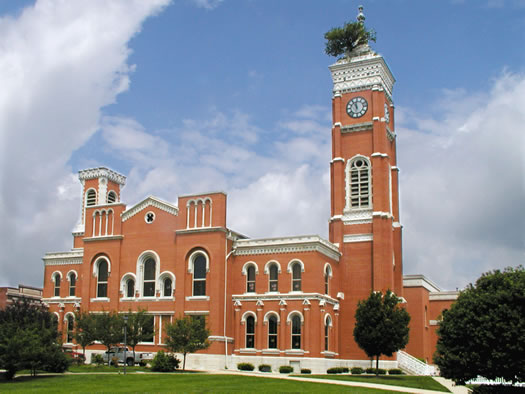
361	17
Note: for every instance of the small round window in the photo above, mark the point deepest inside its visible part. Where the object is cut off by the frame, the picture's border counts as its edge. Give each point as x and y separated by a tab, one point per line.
149	217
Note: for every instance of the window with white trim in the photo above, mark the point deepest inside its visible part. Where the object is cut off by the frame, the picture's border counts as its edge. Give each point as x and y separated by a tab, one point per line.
296	332
273	281
130	288
112	197
272	332
167	288
327	325
296	276
327	274
72	284
91	197
359	183
149	278
250	279
199	275
70	327
250	332
102	278
57	285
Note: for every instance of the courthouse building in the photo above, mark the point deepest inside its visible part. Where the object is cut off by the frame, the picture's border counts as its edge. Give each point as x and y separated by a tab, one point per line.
279	301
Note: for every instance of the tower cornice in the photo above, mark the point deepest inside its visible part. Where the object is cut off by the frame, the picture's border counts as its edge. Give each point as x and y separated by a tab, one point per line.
367	70
95	173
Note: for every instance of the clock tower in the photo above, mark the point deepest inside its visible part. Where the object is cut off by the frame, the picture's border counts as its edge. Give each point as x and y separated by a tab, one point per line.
364	197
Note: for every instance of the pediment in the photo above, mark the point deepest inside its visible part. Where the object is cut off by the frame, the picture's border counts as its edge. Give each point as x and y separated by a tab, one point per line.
150	202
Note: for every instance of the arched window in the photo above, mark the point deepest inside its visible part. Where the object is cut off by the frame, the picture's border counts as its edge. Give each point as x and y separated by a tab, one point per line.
274	278
91	198
296	332
296	277
199	275
327	275
359	183
70	327
72	284
272	332
167	290
130	288
112	197
102	278
250	279
57	285
327	324
149	278
250	332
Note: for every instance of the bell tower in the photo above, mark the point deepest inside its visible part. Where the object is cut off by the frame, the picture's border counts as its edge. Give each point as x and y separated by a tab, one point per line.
364	175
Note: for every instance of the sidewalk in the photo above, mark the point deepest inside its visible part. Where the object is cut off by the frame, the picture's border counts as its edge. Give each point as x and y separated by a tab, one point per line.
447	383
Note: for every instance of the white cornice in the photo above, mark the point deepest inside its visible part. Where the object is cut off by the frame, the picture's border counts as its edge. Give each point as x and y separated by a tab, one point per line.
368	71
64	258
381	214
95	173
308	243
443	296
357	216
284	296
350	238
420	281
353	128
147	202
379	154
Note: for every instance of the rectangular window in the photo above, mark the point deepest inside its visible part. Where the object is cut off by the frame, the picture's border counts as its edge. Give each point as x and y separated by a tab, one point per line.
102	290
149	329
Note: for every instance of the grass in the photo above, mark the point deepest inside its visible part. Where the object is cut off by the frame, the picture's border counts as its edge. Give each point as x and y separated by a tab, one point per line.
201	383
418	382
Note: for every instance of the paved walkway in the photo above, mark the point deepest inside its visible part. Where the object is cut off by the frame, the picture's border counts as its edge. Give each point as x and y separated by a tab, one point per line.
447	383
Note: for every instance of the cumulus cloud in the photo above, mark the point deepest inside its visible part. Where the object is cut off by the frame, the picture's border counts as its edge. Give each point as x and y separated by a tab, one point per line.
463	183
54	85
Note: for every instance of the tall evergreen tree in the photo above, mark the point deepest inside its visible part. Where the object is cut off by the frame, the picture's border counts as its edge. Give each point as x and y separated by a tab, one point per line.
381	325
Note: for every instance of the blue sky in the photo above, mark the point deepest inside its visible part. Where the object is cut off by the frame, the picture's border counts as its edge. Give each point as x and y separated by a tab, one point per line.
198	95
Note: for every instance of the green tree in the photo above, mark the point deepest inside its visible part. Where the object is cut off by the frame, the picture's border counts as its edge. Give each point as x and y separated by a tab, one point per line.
187	335
343	40
140	328
109	329
381	325
483	333
29	339
85	330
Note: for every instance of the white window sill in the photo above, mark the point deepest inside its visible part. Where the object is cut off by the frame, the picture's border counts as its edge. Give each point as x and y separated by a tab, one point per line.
146	343
248	351
167	298
296	292
99	299
198	298
297	352
271	351
272	293
328	354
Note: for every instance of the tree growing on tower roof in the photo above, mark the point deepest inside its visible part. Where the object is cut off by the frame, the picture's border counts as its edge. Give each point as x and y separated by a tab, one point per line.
381	325
344	40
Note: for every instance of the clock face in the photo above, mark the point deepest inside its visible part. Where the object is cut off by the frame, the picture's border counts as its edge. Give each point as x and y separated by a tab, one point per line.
357	107
387	114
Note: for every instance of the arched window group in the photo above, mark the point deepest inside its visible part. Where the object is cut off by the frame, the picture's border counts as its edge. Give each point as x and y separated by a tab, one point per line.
295	320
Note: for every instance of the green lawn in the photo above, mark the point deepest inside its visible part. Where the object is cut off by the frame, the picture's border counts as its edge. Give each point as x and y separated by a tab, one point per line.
418	382
154	383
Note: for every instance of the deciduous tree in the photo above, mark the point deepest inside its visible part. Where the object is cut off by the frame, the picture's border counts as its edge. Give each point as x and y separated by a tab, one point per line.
381	325
187	335
29	339
139	329
85	330
483	333
109	329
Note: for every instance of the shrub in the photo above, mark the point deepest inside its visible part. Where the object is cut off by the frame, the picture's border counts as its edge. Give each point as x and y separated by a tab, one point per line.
370	370
97	359
164	362
357	371
337	370
245	367
56	361
306	370
379	371
395	371
265	368
285	369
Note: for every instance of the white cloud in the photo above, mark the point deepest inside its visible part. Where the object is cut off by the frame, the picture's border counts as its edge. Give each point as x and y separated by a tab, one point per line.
54	84
463	184
207	4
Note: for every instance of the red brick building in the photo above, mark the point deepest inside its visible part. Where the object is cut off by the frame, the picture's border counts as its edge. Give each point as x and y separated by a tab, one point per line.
8	295
275	300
